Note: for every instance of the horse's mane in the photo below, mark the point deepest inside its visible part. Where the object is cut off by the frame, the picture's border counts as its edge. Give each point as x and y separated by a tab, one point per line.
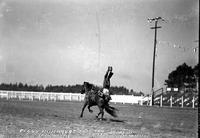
88	86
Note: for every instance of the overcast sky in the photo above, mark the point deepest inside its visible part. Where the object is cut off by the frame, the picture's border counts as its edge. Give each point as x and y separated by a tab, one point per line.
57	41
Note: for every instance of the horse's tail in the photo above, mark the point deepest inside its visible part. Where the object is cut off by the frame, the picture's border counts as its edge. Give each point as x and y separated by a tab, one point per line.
111	110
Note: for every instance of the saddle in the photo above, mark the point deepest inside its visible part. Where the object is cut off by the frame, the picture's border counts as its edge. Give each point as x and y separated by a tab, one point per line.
104	96
100	93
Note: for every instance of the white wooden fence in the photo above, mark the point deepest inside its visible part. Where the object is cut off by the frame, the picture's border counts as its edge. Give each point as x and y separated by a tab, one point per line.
180	100
51	96
129	99
23	95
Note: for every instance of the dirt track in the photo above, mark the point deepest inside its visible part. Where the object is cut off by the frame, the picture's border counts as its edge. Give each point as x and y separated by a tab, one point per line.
61	119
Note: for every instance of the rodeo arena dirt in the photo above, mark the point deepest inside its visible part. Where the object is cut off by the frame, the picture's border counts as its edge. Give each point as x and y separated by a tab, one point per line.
26	115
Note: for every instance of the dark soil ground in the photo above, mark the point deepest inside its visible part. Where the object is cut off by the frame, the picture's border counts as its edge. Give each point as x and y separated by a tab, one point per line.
61	119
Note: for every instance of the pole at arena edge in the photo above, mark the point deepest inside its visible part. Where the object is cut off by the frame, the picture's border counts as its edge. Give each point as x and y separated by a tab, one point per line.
154	52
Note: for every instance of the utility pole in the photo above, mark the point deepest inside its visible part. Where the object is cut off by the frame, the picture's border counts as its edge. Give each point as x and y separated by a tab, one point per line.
154	52
196	50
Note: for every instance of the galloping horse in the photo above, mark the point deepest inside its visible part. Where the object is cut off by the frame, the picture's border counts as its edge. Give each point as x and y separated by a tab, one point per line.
93	98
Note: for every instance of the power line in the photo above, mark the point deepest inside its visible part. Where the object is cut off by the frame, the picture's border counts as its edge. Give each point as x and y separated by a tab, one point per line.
178	46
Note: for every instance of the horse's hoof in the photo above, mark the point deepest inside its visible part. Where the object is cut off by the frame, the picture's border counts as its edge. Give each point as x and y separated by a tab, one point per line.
81	116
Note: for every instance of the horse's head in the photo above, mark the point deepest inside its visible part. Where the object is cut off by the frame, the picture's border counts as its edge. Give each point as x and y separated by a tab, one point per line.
82	90
86	87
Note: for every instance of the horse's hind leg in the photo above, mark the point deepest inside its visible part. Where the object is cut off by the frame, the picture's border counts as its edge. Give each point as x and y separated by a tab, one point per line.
101	112
90	109
85	104
98	114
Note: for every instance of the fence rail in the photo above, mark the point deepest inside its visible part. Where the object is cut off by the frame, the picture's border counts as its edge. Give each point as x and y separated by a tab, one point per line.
48	96
160	99
51	96
176	100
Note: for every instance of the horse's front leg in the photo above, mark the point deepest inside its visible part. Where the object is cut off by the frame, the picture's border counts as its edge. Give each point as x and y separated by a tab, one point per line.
102	113
90	109
85	104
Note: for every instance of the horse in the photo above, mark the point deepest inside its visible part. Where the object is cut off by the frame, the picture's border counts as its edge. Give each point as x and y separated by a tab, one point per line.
94	98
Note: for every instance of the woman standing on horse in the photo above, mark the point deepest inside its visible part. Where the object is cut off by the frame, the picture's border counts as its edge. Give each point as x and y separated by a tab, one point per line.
106	82
96	97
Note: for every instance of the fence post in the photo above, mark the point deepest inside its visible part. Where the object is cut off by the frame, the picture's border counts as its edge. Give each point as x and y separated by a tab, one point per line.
32	96
150	103
193	102
39	96
70	96
141	102
132	100
182	101
56	99
64	97
20	96
161	100
171	101
7	95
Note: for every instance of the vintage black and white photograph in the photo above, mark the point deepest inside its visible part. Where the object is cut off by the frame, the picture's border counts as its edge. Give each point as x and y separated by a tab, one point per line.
99	68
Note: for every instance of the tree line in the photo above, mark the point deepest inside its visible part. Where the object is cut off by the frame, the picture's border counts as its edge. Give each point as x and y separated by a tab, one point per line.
184	77
64	89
